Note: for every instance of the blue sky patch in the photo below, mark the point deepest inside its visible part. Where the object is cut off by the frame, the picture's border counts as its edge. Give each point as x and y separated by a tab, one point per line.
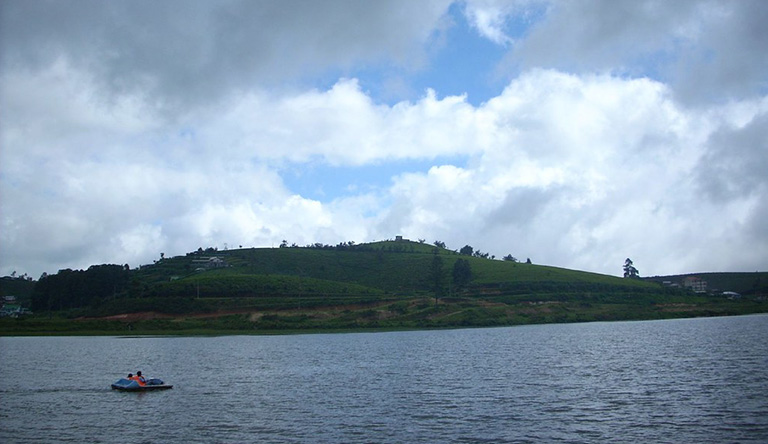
326	183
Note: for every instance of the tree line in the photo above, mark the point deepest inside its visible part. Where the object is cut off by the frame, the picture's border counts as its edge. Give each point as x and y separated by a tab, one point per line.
79	288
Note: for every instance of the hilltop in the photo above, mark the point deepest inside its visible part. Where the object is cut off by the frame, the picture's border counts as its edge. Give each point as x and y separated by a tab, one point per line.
388	284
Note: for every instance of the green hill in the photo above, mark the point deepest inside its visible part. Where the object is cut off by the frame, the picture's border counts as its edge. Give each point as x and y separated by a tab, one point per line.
390	284
391	266
391	269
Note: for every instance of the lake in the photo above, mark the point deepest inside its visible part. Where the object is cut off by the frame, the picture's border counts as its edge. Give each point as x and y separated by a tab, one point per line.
691	380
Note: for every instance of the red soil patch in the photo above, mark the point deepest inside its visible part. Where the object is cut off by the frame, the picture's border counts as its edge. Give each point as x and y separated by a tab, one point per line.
131	317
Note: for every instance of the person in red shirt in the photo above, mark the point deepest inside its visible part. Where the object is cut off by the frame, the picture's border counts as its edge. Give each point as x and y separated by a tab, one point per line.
138	378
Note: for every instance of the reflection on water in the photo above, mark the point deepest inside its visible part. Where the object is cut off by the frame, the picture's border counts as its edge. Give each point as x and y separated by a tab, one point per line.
697	380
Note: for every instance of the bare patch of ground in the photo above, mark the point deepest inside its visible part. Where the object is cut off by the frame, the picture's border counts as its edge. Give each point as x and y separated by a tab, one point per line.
131	317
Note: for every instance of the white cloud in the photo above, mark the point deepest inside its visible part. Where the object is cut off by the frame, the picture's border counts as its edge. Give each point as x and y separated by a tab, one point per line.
340	126
489	22
582	172
491	17
141	241
576	171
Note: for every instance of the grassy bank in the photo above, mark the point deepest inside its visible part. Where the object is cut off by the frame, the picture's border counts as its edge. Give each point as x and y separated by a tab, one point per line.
405	314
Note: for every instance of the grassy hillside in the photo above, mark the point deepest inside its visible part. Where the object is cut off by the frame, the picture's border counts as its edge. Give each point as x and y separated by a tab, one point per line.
389	266
392	284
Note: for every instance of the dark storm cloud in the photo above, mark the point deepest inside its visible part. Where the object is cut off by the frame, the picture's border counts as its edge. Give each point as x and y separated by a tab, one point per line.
522	205
735	164
730	61
707	50
182	52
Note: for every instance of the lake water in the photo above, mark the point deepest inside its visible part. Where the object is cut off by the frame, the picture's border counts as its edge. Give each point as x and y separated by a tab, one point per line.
694	380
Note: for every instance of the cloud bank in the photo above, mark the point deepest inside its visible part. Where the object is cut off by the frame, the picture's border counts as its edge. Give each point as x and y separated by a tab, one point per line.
131	129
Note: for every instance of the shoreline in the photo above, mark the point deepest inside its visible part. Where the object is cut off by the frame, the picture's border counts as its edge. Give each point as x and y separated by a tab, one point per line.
202	332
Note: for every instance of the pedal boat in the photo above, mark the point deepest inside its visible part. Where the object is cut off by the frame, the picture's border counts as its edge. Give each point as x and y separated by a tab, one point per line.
126	385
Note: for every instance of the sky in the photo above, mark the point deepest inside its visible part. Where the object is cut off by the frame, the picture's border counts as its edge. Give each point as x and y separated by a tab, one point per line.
573	133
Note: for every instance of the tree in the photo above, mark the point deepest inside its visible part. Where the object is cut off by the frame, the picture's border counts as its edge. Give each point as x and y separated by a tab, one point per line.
75	289
629	269
436	276
510	258
439	244
462	274
467	250
482	255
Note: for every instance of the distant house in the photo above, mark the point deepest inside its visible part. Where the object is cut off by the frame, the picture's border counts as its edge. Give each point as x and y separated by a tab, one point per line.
695	284
13	311
216	262
208	263
11	308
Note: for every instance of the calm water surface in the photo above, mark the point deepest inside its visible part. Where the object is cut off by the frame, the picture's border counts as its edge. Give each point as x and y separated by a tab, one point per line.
696	380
